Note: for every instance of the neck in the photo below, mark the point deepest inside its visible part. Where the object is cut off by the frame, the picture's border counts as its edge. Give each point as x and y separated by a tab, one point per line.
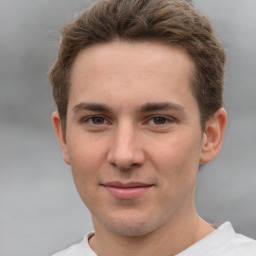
168	240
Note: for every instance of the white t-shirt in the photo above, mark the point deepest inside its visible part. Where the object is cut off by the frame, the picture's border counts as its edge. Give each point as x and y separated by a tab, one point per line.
221	242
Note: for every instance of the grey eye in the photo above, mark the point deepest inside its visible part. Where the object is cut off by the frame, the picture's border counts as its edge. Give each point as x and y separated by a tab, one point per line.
159	120
98	120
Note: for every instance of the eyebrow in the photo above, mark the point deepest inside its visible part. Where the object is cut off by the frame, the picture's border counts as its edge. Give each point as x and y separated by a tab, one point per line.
151	107
148	107
91	106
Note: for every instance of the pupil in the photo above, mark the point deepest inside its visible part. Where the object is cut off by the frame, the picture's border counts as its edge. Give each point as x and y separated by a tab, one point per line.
159	120
98	120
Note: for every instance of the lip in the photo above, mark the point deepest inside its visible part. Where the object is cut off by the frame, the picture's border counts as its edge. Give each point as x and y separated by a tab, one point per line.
127	191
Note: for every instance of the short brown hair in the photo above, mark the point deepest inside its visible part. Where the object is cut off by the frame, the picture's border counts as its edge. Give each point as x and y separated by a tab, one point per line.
172	22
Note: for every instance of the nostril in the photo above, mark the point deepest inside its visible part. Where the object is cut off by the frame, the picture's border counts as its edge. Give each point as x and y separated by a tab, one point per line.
123	166
129	167
125	152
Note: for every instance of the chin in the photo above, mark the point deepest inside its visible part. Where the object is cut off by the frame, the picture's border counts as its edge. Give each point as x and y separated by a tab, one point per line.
128	226
129	229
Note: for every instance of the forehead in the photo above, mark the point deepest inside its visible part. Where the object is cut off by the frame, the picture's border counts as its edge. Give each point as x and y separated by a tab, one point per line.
120	69
145	54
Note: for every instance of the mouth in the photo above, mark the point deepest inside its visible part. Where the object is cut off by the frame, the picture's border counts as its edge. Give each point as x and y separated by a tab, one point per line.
127	191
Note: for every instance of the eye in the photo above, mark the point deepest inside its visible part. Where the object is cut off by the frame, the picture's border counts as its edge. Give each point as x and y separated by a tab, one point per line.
94	120
98	120
159	120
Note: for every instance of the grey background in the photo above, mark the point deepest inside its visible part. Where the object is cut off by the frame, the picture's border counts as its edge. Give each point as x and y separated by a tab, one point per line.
40	211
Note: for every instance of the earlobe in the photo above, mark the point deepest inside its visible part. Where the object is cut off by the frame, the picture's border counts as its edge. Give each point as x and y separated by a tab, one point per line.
61	136
213	136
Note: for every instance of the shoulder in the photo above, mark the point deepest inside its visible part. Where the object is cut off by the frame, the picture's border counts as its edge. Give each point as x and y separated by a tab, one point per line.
80	249
241	245
222	242
233	244
237	244
72	250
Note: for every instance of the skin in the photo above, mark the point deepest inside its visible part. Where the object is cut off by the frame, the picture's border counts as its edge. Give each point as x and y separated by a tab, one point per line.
132	117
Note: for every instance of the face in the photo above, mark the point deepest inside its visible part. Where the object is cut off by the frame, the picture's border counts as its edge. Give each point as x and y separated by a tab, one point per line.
133	136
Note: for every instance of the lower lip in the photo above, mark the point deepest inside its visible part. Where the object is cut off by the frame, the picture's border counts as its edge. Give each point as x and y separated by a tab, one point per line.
127	193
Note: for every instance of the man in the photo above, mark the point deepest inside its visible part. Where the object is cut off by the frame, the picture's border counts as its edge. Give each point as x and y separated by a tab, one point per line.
138	86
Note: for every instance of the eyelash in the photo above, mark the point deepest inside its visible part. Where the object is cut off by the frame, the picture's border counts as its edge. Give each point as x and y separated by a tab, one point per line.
166	119
91	118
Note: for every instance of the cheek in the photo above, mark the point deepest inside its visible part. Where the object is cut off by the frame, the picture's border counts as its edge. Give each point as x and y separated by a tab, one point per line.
177	165
85	161
84	149
86	157
177	159
177	149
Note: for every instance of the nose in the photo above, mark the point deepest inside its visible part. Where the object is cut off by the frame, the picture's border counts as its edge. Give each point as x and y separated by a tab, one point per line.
126	150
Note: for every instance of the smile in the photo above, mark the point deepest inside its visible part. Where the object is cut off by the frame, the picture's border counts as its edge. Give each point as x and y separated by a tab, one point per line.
127	191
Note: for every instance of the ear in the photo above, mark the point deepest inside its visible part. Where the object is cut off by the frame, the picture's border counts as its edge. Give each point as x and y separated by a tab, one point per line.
61	136
213	136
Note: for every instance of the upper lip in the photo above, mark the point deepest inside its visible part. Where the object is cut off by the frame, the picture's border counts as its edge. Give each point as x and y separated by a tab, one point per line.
118	184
